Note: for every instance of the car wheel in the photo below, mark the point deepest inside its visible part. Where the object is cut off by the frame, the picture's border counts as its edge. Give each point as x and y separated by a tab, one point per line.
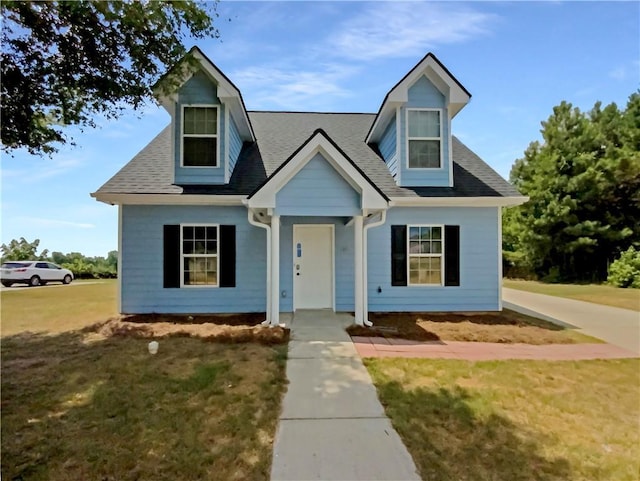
67	279
34	281
7	284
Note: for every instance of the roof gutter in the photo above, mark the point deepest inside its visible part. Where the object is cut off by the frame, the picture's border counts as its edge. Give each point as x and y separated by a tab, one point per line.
457	201
168	199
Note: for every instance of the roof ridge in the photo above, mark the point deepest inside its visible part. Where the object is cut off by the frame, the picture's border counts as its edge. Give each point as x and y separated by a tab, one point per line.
307	112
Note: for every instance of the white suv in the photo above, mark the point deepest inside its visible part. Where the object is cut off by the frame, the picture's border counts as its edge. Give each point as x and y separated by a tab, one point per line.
34	273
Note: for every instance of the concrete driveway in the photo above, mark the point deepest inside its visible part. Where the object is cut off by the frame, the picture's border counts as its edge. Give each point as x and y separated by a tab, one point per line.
620	327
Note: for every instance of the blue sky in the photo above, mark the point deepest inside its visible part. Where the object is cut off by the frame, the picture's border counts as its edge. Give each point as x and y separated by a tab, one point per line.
518	60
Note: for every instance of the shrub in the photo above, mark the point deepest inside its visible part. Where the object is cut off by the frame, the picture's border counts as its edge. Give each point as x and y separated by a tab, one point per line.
625	270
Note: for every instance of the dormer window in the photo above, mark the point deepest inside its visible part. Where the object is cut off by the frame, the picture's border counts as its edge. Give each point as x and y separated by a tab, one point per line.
200	136
424	138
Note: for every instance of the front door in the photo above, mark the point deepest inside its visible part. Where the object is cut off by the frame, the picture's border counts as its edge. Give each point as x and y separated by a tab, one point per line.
312	266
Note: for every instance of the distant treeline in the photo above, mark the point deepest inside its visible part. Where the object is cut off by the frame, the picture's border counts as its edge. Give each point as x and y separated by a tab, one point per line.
83	267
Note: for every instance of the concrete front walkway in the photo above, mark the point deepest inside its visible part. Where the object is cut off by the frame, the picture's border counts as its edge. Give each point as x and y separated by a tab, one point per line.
620	327
332	426
486	351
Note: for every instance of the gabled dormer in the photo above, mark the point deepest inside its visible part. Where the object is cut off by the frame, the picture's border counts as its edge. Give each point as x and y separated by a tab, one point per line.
413	126
208	119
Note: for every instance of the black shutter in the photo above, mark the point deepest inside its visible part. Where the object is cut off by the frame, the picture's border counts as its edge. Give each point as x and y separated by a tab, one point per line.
398	255
171	265
227	253
452	255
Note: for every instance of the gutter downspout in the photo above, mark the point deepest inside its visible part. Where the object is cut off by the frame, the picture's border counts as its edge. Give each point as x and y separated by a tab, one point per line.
267	227
365	243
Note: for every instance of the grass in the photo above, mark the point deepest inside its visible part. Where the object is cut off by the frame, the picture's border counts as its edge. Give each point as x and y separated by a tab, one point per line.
598	294
57	309
109	410
503	327
515	420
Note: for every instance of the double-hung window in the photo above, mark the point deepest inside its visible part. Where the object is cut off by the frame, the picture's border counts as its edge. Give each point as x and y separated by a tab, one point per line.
199	254
199	136
425	254
424	138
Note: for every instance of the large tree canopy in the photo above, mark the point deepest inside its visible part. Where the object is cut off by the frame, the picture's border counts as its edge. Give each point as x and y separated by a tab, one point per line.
584	185
63	62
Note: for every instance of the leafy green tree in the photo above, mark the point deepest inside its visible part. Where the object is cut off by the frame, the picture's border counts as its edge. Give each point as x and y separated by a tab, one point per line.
625	271
22	250
584	184
63	62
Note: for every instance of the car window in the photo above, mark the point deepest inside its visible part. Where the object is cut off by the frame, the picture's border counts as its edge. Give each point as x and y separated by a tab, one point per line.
53	266
15	265
42	265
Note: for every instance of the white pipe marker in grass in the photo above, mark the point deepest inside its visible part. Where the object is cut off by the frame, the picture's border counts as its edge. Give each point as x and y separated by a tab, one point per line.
153	347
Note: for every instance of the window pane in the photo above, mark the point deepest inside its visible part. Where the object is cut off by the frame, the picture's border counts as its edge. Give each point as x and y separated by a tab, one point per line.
200	151
414	263
424	123
200	271
436	262
424	153
187	247
198	233
436	233
425	232
414	232
414	277
189	120
187	232
212	233
426	247
199	247
414	247
200	120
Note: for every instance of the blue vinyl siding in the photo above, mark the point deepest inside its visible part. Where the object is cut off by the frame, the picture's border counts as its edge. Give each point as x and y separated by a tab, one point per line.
318	189
199	89
142	262
343	268
423	94
387	147
479	261
235	145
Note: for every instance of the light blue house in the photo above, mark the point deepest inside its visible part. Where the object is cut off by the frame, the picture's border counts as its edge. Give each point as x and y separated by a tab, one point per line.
229	210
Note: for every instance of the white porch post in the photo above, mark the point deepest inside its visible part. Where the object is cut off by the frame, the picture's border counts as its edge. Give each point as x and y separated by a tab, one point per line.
358	274
275	270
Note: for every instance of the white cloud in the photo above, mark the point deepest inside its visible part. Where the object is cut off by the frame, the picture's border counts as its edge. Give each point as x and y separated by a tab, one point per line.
42	169
281	87
619	73
42	222
407	29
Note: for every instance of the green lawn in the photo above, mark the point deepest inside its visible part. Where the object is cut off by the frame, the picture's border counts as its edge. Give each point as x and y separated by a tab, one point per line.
111	411
515	420
57	308
599	294
77	405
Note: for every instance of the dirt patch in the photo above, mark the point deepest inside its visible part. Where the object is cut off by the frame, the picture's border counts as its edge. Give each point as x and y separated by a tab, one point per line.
209	328
503	327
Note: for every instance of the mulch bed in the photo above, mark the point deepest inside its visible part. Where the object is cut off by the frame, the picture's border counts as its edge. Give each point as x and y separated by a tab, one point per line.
231	328
504	327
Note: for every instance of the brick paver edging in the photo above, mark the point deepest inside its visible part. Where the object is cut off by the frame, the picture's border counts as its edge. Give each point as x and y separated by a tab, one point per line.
485	351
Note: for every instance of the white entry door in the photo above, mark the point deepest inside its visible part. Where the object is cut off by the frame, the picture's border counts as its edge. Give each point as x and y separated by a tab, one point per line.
312	266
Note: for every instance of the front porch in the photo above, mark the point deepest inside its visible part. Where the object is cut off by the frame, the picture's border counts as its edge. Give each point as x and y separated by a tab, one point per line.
317	208
317	262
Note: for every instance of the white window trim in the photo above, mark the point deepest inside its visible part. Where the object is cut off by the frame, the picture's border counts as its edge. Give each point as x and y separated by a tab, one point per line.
182	256
441	255
407	138
212	136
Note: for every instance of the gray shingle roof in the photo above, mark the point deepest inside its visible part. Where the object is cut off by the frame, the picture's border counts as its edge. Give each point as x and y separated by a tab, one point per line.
278	135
